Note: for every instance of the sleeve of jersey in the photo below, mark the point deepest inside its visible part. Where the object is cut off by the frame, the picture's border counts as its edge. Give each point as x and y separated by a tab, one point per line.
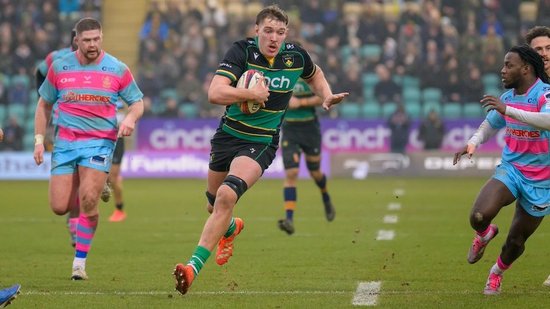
233	63
129	90
309	66
48	91
540	120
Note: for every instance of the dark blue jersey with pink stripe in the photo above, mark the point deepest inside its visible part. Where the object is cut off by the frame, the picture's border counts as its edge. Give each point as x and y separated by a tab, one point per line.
84	98
527	148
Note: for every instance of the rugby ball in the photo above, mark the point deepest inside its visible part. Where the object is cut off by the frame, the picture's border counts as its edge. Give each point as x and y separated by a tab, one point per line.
248	80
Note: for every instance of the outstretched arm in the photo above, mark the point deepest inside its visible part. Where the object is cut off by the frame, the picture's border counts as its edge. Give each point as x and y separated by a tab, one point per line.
320	87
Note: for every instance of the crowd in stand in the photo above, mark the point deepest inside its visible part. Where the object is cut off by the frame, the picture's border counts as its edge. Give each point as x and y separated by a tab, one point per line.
384	52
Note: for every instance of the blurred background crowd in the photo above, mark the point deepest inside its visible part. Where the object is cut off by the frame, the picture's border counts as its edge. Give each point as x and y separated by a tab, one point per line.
422	57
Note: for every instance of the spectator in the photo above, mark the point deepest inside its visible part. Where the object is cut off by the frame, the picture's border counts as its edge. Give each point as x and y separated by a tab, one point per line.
432	131
399	124
171	108
386	89
13	136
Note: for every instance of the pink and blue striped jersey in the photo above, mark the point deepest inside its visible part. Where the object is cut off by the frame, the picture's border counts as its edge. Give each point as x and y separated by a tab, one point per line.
527	148
84	99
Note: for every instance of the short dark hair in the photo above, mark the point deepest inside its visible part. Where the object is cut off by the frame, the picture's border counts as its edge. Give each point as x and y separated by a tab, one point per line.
530	56
535	32
273	11
86	24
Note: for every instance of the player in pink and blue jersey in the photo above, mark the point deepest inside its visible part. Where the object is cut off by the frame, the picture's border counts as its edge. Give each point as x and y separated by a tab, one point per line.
524	173
80	92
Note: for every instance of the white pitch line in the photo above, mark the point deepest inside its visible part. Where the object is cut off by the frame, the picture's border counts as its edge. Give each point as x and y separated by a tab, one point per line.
385	235
394	206
367	293
399	192
141	293
390	219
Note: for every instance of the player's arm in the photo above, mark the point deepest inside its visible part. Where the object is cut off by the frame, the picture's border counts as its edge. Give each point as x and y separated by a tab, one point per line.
320	87
482	134
535	119
128	124
221	92
41	120
310	101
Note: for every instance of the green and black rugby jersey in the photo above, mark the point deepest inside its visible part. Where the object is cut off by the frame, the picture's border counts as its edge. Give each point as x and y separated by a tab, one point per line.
302	114
291	63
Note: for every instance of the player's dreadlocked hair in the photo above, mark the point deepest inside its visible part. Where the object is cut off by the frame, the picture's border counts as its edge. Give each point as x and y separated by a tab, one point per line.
529	55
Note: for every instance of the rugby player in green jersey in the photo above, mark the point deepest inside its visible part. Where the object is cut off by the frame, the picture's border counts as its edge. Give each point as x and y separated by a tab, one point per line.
302	134
244	145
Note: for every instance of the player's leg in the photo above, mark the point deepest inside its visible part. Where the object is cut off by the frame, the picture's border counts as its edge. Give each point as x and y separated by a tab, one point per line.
64	189
291	152
493	196
115	178
314	166
93	167
523	226
219	223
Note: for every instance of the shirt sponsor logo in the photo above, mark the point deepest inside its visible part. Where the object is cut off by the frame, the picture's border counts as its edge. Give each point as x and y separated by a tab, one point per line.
107	82
225	64
84	97
522	133
65	80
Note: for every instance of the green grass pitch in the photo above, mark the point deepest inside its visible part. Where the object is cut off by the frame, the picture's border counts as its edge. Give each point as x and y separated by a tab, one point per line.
320	266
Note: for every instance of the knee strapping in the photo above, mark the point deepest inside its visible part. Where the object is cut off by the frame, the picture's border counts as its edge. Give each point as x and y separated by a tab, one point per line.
313	166
237	184
210	197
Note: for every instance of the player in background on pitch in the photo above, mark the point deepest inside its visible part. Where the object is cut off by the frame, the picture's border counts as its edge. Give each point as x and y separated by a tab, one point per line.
244	145
524	173
115	178
82	89
301	133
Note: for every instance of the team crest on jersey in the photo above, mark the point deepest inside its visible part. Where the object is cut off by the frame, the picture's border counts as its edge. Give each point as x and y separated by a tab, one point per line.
107	82
288	60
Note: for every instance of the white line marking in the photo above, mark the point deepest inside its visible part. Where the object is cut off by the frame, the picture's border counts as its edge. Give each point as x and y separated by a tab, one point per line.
390	219
367	293
385	235
141	293
394	206
399	192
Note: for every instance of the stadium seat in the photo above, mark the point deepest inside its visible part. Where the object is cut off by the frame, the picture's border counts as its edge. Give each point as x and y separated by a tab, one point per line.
349	110
451	110
411	81
388	108
189	110
472	110
411	94
371	51
369	79
413	108
496	91
28	141
3	113
430	105
490	80
19	110
370	110
431	94
169	93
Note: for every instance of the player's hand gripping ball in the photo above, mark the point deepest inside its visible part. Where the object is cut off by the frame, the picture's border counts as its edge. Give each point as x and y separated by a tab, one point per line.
248	80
